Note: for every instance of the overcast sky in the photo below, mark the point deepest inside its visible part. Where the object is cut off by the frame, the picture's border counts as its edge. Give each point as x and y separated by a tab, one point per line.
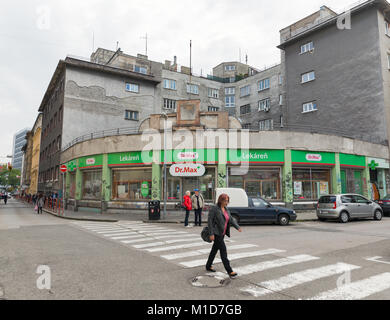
34	35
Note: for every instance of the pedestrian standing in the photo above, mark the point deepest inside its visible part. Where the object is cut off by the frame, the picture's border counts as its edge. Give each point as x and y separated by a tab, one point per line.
5	197
219	222
197	205
188	207
40	203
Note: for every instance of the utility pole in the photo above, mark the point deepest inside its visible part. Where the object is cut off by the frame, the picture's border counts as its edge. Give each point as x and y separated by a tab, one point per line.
146	43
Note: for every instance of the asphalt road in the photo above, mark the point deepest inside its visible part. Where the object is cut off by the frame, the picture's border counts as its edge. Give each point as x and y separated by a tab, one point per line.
133	260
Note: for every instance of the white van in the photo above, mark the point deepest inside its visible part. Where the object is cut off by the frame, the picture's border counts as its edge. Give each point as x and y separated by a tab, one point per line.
238	197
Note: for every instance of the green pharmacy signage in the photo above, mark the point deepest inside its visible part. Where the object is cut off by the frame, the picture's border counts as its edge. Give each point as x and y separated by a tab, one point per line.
130	158
190	155
351	160
313	157
145	189
255	156
72	166
91	162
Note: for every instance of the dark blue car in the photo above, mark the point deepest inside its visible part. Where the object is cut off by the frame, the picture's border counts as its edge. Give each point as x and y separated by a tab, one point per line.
261	211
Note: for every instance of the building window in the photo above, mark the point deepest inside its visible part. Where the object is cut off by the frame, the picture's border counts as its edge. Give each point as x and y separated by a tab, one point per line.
131	115
265	105
263	84
310	76
281	122
169	104
246	126
280	99
213	109
280	79
213	93
245	109
387	28
133	184
92	183
307	47
132	87
192	88
264	183
230	101
230	68
140	69
310	184
265	125
229	91
169	84
309	107
245	91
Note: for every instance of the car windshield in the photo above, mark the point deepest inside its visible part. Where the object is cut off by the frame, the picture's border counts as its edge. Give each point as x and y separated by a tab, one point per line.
327	199
260	203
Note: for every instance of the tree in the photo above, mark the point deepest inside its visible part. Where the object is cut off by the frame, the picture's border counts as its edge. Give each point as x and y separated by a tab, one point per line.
9	177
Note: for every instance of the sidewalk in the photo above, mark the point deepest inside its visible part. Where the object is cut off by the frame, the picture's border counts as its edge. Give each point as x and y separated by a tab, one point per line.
142	215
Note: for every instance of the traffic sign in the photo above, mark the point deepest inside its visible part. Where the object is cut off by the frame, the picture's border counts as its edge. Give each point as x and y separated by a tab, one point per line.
63	168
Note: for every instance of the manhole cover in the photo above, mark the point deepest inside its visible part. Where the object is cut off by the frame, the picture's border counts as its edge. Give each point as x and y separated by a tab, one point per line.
209	281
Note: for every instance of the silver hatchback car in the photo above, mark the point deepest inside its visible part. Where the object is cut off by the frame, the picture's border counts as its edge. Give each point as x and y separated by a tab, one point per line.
347	206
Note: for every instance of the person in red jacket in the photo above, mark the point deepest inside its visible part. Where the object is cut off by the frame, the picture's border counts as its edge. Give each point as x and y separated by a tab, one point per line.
188	205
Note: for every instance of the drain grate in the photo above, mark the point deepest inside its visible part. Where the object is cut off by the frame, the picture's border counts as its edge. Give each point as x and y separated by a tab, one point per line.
209	281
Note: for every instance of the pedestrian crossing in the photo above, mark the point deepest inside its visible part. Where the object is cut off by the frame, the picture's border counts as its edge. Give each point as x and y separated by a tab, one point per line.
187	250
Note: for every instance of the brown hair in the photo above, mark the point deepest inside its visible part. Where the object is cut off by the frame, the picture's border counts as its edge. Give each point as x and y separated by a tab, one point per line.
221	198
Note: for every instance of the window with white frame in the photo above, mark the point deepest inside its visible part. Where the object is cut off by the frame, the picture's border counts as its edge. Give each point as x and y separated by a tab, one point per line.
245	91
265	125
280	99
309	76
192	88
169	84
309	106
245	109
264	84
307	47
132	87
265	105
213	109
231	90
169	104
281	122
387	28
230	68
140	69
230	101
280	79
131	115
213	93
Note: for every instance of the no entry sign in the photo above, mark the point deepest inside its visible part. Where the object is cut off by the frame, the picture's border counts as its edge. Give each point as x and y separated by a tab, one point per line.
63	168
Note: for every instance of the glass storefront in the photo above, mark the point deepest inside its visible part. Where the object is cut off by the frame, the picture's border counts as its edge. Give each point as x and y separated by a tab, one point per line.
92	184
310	184
72	185
351	181
258	182
132	184
177	186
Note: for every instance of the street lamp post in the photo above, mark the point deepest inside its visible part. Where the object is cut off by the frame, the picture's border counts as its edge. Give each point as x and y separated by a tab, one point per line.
165	166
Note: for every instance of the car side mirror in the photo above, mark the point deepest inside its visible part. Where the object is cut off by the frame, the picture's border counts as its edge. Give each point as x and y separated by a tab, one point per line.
269	206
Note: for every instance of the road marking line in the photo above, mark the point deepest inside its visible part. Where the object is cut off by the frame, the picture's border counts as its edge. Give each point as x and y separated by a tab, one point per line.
96	228
175	236
111	231
201	262
127	237
159	232
120	234
298	278
203	251
376	259
148	245
357	290
135	241
183	246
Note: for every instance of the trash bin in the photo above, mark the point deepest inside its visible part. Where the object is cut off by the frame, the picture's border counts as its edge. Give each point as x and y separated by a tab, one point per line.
154	210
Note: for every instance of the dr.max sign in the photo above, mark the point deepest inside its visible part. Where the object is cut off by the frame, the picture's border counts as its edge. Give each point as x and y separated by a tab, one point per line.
187	170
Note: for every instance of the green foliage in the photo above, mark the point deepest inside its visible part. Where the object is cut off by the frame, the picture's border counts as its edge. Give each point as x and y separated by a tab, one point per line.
9	177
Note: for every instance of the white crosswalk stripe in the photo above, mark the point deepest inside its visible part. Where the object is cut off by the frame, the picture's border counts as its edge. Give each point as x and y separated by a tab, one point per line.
357	290
128	237
201	262
120	234
135	241
298	278
183	246
200	252
155	244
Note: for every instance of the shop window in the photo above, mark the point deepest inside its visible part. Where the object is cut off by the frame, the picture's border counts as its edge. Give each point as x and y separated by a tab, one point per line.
310	184
72	185
132	184
264	183
92	182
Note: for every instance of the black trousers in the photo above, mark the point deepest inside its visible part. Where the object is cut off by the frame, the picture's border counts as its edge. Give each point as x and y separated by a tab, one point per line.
198	216
219	244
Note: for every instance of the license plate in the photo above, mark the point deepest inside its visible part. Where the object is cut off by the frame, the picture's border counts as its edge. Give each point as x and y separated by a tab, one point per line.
323	211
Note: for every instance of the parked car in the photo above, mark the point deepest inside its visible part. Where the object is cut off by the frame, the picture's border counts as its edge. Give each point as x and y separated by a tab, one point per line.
385	204
255	210
345	207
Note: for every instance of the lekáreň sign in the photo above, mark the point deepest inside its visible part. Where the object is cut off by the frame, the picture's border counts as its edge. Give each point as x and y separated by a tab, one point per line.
255	156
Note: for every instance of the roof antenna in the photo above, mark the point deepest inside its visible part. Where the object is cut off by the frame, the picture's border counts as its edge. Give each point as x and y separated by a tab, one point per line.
117	45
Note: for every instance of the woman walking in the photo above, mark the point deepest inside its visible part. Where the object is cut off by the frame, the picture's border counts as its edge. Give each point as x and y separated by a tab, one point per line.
40	203
219	222
188	206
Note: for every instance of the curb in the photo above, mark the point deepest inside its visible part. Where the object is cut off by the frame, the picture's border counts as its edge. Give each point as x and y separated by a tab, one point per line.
78	219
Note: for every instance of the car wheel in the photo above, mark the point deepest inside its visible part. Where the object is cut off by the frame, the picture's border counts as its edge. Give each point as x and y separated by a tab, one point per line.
284	219
378	215
344	217
236	217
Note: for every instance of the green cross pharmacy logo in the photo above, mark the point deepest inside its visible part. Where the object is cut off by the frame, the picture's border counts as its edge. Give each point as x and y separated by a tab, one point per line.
373	165
71	166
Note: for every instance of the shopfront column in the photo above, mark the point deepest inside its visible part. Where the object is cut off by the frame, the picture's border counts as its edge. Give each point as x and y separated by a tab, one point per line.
366	180
79	182
382	183
156	176
287	180
106	182
336	176
222	168
67	184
